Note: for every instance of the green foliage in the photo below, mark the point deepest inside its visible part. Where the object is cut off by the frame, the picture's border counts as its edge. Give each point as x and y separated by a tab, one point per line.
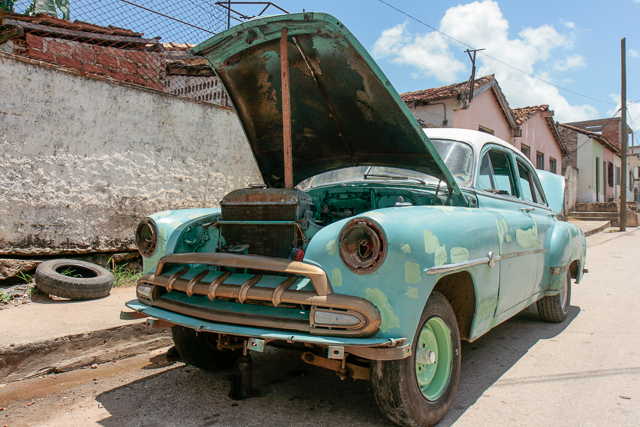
69	271
5	298
24	276
123	275
7	5
48	7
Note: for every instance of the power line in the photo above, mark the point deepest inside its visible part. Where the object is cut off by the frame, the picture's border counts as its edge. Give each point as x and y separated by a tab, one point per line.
491	57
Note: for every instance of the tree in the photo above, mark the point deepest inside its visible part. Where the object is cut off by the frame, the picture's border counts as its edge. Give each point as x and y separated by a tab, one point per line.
6	5
48	7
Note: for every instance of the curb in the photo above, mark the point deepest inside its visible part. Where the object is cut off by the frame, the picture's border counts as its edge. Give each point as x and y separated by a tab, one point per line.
598	229
78	351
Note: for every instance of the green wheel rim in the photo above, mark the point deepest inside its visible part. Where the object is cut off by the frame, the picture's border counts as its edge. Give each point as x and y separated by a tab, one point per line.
434	377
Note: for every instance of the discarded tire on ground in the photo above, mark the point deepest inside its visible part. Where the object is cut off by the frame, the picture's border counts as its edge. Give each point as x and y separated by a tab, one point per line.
76	280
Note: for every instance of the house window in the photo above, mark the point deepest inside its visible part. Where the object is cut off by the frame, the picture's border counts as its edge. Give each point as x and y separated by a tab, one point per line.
595	129
610	174
630	181
525	150
617	175
540	160
485	130
553	165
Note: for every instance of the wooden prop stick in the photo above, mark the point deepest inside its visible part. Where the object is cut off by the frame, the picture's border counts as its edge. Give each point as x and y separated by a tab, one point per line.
286	111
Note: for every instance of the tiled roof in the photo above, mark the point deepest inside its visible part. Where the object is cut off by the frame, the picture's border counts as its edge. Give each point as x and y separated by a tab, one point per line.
50	21
444	92
525	113
593	135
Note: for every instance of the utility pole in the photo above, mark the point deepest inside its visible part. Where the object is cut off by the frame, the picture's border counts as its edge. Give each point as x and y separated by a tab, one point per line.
624	138
473	70
228	14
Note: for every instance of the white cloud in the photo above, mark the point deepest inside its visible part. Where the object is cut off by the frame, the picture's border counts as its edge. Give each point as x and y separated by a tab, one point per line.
570	62
632	52
429	53
482	25
568	24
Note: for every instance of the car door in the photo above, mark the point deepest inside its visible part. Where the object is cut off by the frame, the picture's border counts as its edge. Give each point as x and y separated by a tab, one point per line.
498	189
532	195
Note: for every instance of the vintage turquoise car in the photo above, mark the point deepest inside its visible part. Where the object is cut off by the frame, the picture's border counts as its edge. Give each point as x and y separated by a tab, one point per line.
376	245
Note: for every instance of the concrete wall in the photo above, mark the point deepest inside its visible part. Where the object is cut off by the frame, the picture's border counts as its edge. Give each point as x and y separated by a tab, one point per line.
570	189
585	163
537	135
84	158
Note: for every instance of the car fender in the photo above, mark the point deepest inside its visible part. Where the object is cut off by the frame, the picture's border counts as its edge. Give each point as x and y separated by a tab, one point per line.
418	238
170	226
566	244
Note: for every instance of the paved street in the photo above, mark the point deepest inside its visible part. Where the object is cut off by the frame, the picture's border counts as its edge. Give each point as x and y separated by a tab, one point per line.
584	372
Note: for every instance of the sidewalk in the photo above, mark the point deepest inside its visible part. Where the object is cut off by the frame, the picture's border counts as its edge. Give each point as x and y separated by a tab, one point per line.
591	227
49	336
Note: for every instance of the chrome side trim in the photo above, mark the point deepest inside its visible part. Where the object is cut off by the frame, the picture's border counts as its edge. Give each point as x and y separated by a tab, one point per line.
489	259
523	253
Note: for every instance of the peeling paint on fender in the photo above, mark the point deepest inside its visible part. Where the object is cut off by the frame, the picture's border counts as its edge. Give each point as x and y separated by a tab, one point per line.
380	300
441	256
336	278
412	292
331	247
412	272
431	242
459	254
406	249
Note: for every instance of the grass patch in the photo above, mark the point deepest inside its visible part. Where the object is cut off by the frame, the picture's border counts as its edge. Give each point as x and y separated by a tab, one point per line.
5	298
124	274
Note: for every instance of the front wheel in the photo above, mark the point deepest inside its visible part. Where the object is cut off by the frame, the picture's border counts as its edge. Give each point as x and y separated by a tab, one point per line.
417	391
555	308
200	349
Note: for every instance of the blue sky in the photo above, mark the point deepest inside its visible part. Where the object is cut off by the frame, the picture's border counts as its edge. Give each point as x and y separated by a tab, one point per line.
572	44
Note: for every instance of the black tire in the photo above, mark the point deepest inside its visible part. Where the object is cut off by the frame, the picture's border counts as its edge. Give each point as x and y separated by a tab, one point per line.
200	349
395	383
76	280
555	308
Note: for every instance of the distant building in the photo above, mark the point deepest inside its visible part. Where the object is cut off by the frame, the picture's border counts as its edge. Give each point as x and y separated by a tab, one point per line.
540	141
530	129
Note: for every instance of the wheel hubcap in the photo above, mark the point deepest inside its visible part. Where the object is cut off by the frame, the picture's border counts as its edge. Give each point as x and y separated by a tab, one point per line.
434	356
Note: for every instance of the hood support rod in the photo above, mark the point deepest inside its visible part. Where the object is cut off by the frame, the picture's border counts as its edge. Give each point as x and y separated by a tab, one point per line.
286	111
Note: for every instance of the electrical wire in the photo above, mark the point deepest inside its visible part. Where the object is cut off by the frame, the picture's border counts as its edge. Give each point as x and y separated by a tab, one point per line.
495	59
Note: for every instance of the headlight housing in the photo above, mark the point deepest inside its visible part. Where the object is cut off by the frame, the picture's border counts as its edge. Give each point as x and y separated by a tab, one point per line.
363	246
147	237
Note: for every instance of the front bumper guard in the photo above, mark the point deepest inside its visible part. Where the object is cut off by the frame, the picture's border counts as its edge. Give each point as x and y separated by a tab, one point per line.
322	298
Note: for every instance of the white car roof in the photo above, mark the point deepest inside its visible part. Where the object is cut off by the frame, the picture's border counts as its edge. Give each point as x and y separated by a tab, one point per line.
476	138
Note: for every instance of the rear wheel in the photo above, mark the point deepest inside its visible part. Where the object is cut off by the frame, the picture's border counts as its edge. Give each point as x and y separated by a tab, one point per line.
417	391
200	349
555	308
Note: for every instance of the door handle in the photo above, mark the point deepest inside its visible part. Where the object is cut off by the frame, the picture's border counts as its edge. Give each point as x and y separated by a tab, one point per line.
527	211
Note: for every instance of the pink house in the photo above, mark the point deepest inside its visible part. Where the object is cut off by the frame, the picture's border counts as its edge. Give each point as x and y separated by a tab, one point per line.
487	110
540	141
455	106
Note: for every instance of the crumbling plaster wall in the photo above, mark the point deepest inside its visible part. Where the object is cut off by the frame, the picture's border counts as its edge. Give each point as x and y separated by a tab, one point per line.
83	159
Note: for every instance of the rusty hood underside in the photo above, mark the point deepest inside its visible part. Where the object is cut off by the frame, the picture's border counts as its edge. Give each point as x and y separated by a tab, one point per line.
344	110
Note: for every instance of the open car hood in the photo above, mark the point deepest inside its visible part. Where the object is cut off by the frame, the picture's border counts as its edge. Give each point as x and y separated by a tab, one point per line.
344	110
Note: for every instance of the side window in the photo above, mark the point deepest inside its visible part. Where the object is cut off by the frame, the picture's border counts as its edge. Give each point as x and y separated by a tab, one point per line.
527	187
495	173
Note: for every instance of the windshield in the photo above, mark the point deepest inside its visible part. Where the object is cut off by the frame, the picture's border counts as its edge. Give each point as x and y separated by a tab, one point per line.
457	155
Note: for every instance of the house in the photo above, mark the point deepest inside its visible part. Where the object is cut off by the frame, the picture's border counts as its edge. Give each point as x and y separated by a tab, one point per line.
530	129
455	106
604	168
594	155
540	141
